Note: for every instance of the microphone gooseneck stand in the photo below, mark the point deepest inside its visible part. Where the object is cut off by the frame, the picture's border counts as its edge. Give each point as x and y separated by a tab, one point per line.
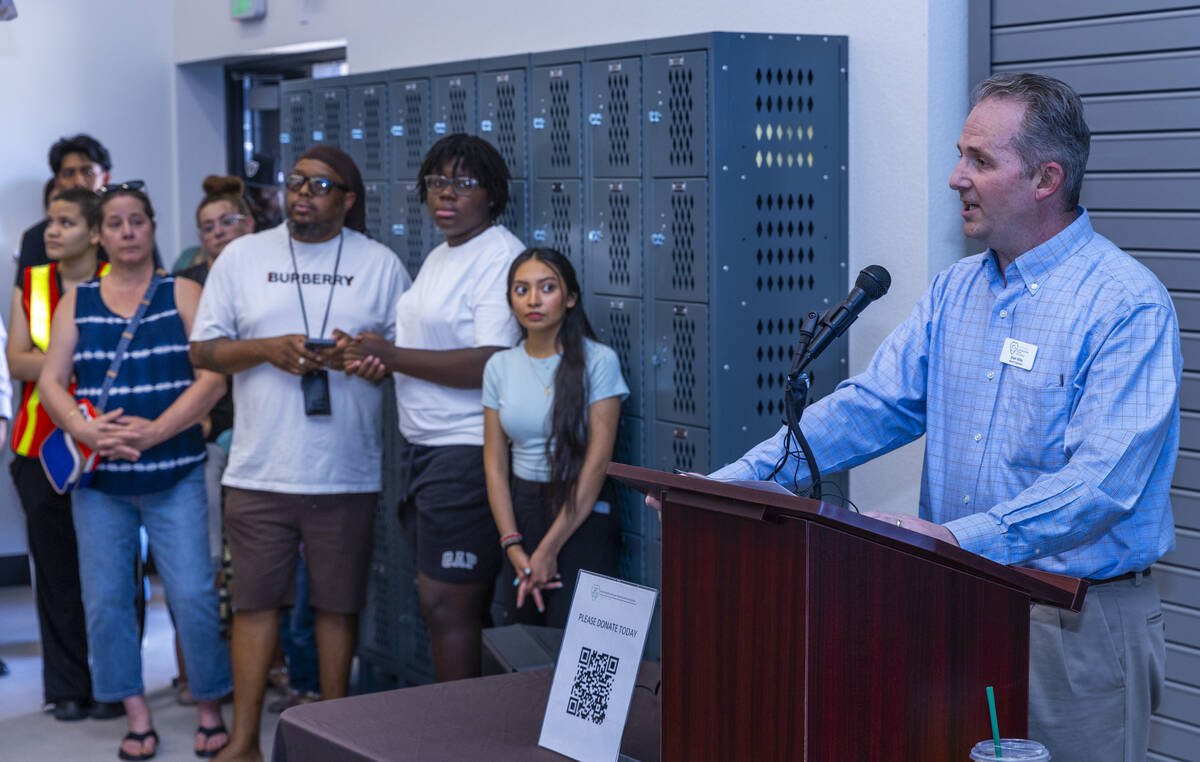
795	397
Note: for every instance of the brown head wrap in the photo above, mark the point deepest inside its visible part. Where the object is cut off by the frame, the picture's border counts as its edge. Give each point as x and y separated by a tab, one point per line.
337	160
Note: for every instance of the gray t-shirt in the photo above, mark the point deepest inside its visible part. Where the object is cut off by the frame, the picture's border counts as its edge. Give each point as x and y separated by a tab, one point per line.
251	293
521	388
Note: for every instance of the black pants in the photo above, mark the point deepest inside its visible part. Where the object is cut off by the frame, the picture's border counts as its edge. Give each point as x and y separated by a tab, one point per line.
52	547
593	547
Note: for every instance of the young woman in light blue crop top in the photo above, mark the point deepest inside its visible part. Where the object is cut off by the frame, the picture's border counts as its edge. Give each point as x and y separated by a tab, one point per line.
551	407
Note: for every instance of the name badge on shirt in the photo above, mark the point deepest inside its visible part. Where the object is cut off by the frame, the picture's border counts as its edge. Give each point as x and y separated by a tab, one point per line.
1018	354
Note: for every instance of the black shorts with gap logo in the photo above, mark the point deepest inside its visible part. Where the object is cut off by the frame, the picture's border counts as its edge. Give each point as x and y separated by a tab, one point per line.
445	511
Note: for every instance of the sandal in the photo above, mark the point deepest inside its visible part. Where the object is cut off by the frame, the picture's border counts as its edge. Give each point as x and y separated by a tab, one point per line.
208	733
139	738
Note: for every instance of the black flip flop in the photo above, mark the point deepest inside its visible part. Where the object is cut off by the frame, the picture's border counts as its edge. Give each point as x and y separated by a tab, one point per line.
140	738
209	733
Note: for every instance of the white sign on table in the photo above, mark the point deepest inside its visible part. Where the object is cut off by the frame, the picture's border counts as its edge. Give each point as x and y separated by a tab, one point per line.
597	668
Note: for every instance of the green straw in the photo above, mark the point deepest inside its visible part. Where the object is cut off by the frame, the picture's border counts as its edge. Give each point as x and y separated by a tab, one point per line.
995	726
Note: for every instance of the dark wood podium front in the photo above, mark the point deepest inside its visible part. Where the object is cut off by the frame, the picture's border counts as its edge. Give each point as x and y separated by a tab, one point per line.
798	630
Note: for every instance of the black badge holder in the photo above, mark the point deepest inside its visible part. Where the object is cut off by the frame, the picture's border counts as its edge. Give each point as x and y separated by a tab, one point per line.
315	384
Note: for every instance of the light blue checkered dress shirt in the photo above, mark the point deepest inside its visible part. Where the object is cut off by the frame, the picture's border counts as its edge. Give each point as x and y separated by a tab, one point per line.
1064	467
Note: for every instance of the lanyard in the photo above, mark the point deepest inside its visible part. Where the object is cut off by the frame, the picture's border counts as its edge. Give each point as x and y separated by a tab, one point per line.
300	292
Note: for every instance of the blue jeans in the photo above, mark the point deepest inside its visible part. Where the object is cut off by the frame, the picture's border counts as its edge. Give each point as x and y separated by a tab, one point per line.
177	521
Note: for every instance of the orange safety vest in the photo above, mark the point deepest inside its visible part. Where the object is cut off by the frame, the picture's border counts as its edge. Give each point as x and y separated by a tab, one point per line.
39	298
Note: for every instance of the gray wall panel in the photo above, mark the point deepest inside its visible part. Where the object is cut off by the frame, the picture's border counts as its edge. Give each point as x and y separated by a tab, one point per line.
1098	37
1142	190
1187	471
1189	391
1185	664
1141	112
1187	307
1178	585
1187	550
1172	151
1181	623
1179	271
1009	12
1179	702
1189	431
1146	230
1186	506
1178	739
1190	343
1168	71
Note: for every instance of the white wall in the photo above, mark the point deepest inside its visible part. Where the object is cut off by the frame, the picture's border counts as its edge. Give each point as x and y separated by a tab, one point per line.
75	66
907	102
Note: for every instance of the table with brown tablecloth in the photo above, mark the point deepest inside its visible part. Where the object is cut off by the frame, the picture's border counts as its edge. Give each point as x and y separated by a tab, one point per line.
496	718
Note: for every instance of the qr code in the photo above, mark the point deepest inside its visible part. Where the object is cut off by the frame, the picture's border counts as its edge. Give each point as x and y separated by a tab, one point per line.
593	685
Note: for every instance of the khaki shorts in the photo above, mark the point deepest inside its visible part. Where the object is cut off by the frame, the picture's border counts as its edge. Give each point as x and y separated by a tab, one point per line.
264	531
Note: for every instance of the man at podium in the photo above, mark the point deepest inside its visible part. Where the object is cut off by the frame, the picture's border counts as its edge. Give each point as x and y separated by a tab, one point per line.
1044	374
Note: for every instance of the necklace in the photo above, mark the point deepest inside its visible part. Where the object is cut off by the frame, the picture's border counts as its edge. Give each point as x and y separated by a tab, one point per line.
538	376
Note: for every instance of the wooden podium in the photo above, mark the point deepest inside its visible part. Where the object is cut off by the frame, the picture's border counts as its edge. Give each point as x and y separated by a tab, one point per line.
799	630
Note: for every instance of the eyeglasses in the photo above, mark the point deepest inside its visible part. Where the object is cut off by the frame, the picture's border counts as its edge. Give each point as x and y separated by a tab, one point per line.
128	185
225	220
460	184
318	186
87	171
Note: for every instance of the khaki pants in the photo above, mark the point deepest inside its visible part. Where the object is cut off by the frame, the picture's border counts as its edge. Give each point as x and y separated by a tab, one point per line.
1096	676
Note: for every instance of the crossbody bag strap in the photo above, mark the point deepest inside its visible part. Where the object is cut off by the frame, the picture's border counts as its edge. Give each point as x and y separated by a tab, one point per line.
131	327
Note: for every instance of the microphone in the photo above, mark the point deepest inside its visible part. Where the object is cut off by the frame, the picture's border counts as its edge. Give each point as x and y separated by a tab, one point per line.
872	283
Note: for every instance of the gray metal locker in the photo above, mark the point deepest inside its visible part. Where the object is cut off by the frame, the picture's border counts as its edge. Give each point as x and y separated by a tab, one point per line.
330	117
618	322
516	213
503	116
677	238
681	345
614	239
613	106
411	230
296	119
557	219
377	210
556	137
697	184
676	102
368	129
676	446
454	105
409	131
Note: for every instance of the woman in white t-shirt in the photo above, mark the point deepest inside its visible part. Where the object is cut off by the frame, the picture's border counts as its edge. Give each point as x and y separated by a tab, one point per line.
551	407
452	319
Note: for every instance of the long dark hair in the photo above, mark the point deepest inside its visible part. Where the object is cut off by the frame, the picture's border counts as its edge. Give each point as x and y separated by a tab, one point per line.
567	443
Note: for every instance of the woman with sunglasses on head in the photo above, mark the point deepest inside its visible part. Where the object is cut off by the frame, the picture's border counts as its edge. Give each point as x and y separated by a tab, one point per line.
149	439
447	326
551	407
